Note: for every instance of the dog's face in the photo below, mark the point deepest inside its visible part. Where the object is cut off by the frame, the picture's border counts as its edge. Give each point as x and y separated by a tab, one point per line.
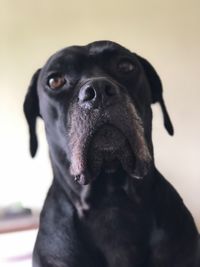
95	101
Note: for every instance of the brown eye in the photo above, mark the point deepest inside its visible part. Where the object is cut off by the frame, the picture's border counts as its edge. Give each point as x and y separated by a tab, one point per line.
56	82
126	66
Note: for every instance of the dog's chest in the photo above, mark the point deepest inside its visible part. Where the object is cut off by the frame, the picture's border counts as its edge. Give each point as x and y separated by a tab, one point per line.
118	228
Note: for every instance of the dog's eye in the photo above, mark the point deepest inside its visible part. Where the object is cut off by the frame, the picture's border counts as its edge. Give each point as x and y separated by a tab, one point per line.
125	66
56	81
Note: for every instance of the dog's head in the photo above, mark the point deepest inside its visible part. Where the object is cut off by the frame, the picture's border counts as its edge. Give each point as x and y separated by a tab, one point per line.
95	101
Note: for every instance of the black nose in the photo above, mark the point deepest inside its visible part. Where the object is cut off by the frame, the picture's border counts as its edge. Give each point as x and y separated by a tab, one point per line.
98	91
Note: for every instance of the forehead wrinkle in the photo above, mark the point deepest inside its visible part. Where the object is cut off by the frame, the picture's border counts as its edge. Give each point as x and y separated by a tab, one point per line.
78	54
98	48
101	47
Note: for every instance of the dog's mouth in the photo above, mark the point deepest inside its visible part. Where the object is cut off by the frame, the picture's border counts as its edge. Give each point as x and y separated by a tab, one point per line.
104	142
109	150
108	138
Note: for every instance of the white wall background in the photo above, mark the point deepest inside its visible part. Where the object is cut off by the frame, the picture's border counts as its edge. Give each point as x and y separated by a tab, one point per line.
167	33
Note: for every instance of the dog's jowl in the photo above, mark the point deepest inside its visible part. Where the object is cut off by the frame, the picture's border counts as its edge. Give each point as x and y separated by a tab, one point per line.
108	206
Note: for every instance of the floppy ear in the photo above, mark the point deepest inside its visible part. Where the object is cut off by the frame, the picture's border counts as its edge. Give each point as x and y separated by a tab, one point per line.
157	92
31	111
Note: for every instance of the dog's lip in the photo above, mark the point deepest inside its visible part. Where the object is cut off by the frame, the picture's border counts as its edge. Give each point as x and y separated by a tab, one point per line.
108	138
110	152
106	148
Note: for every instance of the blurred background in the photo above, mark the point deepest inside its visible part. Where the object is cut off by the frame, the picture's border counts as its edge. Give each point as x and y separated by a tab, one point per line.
167	33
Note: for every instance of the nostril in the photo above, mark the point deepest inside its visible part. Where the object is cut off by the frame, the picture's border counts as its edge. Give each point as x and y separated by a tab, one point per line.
110	90
87	94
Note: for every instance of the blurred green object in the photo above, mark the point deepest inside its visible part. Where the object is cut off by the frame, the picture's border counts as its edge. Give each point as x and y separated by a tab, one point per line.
15	210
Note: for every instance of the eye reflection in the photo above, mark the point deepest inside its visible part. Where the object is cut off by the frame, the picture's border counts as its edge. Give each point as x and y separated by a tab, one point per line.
56	81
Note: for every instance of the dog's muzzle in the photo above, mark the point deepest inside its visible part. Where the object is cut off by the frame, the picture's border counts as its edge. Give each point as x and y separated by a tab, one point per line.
105	132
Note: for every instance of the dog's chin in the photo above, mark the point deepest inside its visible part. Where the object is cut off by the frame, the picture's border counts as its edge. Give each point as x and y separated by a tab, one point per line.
108	151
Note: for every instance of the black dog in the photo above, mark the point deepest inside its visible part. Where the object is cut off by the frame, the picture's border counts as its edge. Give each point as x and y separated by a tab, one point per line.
108	206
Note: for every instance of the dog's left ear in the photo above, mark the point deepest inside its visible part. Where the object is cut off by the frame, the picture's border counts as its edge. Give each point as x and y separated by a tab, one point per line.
31	111
157	92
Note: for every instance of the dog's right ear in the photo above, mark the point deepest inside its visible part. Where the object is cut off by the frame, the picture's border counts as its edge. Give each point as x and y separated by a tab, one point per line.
31	111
